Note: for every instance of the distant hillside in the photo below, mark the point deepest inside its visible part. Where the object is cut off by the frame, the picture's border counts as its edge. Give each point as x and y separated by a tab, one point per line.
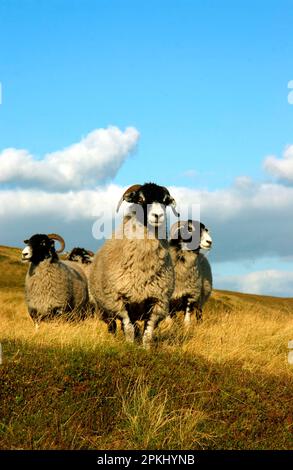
12	270
12	273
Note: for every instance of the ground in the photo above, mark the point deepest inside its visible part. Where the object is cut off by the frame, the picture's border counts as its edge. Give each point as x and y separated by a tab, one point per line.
225	384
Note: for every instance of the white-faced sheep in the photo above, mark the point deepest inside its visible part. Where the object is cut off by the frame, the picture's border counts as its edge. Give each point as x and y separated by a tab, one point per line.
193	275
51	286
132	277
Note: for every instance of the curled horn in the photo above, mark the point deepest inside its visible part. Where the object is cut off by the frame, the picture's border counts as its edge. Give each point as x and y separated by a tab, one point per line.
134	187
172	203
175	229
54	236
91	253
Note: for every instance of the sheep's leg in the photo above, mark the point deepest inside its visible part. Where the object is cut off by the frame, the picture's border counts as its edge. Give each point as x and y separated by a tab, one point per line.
33	314
199	314
112	326
137	332
189	311
149	331
110	322
157	314
128	329
127	325
187	316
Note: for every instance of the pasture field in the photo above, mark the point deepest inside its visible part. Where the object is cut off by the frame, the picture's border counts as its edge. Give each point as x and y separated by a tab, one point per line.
225	384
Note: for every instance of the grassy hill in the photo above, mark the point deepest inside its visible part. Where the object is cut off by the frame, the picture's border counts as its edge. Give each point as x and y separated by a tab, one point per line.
225	384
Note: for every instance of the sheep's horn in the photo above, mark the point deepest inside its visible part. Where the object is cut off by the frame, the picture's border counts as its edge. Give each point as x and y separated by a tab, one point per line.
91	253
54	236
172	203
175	228
134	187
177	214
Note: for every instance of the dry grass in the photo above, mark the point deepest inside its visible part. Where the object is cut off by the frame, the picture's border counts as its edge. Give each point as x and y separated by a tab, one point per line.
223	384
148	423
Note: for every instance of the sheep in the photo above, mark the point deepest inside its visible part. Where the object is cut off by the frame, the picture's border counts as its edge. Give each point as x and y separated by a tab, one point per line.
51	286
132	277
80	258
193	275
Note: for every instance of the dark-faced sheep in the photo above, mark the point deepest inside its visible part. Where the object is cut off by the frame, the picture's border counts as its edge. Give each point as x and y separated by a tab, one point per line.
51	286
132	277
193	275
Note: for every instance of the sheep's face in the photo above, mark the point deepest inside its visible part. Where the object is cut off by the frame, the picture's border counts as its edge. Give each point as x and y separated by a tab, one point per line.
39	247
190	235
205	238
81	255
153	199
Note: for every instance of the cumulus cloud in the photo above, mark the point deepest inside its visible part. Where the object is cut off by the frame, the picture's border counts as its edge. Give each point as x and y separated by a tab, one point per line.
269	282
65	192
72	214
281	168
247	221
92	161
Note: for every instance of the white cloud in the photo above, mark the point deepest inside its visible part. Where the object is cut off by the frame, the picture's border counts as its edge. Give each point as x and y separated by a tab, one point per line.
88	163
191	173
246	223
282	168
70	206
65	192
268	282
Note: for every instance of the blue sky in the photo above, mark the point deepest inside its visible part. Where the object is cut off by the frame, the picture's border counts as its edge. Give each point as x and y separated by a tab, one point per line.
205	83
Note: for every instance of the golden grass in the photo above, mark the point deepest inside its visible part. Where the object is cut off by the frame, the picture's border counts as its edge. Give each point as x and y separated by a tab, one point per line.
147	420
256	338
225	383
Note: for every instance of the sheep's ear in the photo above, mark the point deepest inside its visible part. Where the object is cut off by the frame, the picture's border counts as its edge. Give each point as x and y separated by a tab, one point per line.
135	196
25	241
129	195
